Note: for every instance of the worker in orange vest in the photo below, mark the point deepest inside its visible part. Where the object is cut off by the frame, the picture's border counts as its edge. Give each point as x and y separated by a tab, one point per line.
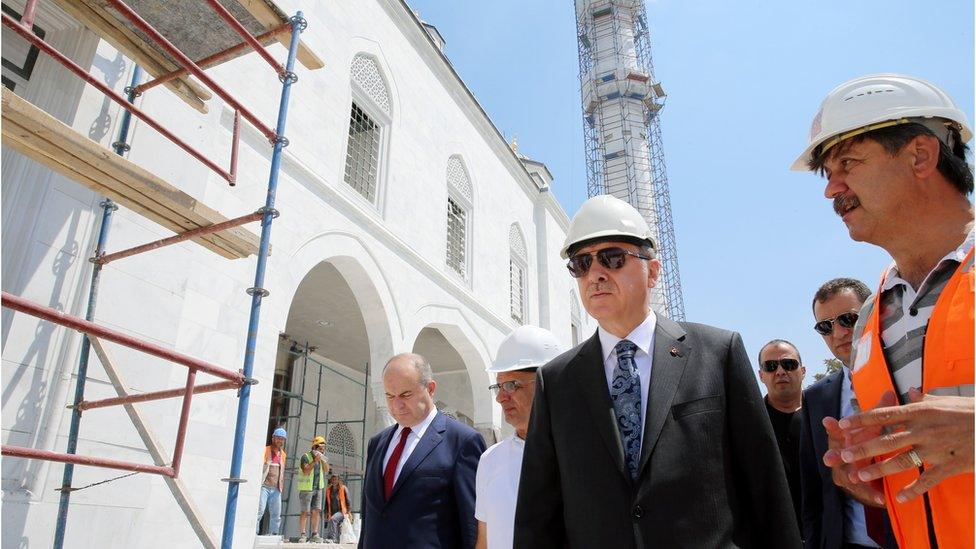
892	149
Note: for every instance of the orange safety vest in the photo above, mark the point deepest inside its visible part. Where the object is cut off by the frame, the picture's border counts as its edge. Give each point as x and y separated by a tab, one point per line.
947	369
342	500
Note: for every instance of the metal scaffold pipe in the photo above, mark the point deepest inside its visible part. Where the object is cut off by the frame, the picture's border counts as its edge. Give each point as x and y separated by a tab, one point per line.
120	146
257	291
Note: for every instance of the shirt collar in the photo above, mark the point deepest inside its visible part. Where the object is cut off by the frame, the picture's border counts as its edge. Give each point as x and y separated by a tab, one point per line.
420	428
893	278
641	336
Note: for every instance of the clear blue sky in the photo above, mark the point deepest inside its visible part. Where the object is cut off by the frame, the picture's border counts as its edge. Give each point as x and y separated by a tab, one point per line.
744	80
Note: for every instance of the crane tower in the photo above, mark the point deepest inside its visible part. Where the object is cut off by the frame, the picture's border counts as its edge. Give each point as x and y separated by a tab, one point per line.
621	104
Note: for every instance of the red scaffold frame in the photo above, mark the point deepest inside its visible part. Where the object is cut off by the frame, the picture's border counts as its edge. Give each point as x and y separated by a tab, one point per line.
233	380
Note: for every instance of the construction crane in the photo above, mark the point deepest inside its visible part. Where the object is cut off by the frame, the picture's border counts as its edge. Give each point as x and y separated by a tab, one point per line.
622	102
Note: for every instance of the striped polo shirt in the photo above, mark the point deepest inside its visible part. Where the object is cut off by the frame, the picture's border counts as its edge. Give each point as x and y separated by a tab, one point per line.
904	317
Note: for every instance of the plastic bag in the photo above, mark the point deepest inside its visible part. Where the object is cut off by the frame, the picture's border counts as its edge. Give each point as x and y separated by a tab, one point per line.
347	533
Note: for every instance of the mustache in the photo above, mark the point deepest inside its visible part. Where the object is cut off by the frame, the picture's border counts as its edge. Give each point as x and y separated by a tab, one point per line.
598	287
845	203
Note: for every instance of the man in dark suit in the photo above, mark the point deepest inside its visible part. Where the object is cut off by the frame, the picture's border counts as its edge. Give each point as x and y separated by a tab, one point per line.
651	433
831	519
420	473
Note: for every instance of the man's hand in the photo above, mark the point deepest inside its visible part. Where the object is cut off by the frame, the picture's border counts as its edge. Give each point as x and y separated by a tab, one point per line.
845	474
938	428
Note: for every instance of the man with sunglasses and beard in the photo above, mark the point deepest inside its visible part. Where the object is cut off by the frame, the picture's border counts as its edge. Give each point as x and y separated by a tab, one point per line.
893	151
651	433
831	519
782	372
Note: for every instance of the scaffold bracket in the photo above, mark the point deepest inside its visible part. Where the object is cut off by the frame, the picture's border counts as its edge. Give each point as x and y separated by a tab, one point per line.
258	291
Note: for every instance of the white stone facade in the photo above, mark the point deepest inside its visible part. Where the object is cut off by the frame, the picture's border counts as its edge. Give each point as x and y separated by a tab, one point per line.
378	279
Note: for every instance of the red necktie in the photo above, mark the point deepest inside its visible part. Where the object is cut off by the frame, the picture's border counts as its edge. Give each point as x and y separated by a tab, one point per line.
874	520
391	466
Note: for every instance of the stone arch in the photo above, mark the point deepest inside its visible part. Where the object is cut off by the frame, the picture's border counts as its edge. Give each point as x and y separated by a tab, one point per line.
455	328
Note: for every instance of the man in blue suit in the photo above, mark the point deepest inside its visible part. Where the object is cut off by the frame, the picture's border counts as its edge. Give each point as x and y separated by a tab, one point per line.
419	488
831	519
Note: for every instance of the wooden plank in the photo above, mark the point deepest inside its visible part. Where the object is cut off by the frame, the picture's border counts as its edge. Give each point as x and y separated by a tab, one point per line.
269	17
134	47
50	142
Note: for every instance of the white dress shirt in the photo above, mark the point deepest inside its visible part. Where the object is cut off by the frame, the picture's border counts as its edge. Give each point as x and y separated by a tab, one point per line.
416	433
496	490
643	337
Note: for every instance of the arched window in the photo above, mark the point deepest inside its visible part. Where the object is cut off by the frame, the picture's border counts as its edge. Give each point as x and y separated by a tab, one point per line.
368	122
518	266
459	202
340	441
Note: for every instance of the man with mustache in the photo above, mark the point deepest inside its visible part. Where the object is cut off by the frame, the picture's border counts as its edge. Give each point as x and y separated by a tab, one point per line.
892	149
651	433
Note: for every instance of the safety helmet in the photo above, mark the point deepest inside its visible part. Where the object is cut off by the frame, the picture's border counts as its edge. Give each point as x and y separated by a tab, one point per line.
318	440
526	347
603	217
280	432
880	100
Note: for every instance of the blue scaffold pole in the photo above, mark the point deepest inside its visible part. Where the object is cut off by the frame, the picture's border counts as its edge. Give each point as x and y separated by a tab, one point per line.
257	292
120	146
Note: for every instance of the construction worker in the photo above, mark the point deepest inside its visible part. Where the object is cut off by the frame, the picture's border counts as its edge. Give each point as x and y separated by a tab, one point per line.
312	471
273	475
337	508
892	149
520	354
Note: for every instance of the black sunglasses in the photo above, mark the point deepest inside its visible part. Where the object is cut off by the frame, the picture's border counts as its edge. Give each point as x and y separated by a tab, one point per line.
611	258
788	364
825	326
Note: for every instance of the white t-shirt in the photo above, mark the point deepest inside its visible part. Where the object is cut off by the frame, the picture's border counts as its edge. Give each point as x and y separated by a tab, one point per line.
496	490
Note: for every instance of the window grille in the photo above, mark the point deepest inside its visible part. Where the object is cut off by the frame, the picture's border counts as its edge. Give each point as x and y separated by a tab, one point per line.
367	75
362	153
340	441
456	235
516	271
517	287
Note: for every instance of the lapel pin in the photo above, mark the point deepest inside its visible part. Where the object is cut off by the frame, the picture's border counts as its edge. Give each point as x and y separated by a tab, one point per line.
675	352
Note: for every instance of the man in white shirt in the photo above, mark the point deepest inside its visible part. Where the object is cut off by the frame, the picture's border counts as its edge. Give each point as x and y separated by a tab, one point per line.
418	489
519	356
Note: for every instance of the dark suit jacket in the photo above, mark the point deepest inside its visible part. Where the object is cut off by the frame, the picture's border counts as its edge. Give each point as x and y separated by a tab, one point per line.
710	473
432	504
823	501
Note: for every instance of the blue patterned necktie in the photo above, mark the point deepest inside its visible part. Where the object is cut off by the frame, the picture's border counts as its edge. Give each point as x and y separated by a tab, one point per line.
625	391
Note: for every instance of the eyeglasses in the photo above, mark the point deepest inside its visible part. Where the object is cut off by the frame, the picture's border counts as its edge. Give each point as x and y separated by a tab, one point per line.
825	326
788	364
508	387
611	258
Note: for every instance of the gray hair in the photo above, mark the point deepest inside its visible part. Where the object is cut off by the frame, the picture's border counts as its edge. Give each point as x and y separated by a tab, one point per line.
419	364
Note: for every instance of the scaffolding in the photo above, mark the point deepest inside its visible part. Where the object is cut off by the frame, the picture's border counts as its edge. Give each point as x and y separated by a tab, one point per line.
288	407
621	127
158	35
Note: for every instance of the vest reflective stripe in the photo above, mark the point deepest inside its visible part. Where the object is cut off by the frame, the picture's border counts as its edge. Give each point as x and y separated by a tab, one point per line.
947	368
305	479
959	390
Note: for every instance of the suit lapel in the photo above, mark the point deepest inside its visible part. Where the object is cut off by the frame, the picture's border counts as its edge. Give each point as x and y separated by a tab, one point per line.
381	449
432	437
666	370
835	405
588	371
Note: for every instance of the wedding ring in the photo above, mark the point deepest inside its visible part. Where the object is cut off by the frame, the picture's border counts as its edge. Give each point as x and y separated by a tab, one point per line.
915	459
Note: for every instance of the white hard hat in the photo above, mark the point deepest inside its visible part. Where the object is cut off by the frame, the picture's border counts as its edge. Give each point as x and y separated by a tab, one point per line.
526	347
876	101
605	216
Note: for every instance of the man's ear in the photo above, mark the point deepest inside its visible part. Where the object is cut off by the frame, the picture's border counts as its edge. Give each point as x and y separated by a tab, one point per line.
925	155
653	272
